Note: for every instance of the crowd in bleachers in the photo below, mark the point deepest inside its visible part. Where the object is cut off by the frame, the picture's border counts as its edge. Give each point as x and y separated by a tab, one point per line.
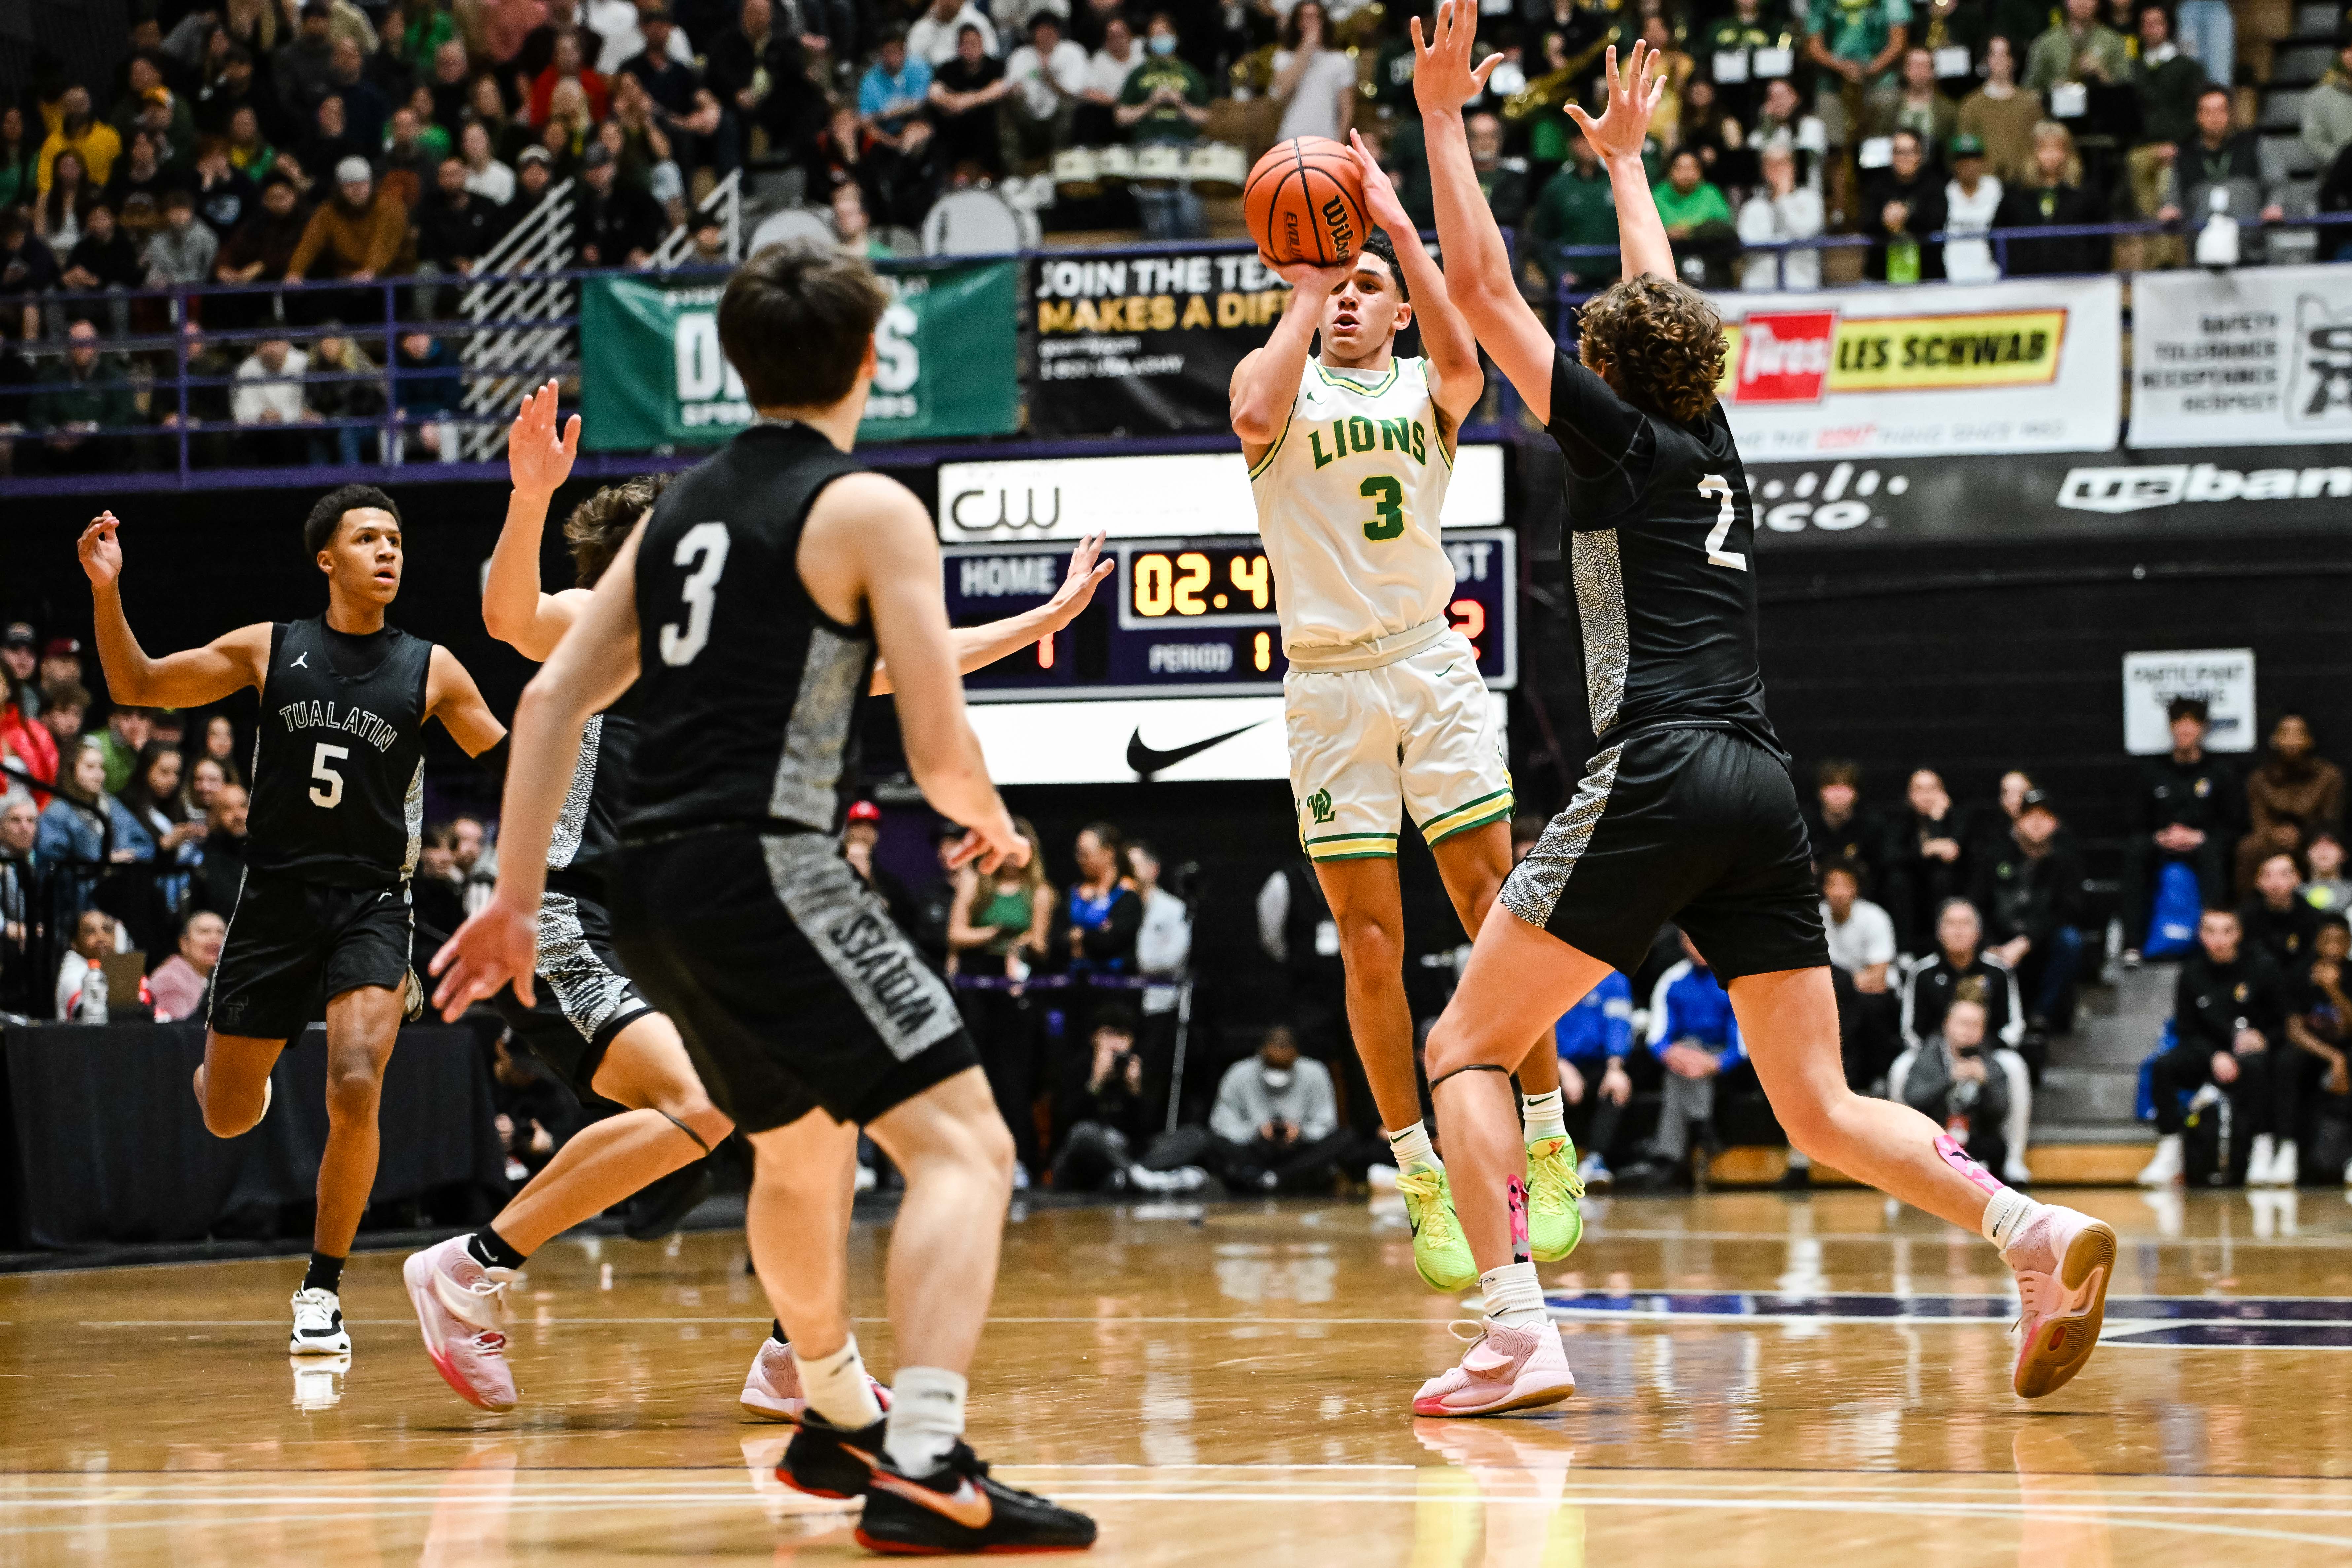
256	142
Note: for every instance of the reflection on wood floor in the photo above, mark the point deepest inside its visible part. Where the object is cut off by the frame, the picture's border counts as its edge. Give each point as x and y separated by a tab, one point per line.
1762	1381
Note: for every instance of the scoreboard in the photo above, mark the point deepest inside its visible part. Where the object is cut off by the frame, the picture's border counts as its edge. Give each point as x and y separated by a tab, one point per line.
1190	616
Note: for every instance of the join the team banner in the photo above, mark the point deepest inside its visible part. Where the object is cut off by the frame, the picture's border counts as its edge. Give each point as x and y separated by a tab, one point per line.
946	354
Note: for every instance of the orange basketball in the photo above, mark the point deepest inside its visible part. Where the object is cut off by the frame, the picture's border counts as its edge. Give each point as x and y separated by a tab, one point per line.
1305	202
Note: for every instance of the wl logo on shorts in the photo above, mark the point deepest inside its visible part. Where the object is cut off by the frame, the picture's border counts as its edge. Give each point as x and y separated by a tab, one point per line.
1319	806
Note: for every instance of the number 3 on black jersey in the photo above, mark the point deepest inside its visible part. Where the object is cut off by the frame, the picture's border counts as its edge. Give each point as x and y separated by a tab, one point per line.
707	541
1713	485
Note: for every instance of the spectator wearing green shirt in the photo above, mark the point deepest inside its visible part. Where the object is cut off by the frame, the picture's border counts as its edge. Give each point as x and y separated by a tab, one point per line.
1698	220
1856	44
2079	48
1165	100
1575	208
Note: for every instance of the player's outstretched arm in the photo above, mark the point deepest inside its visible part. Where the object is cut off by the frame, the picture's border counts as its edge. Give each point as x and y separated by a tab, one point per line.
1445	337
539	460
587	673
868	540
185	680
1266	383
977	648
1478	277
1618	136
451	696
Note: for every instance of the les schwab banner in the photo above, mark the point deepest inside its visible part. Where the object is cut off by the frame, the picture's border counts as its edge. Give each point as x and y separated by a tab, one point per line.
652	374
1967	369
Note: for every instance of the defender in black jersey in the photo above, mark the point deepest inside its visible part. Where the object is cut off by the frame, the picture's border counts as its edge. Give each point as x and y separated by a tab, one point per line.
752	606
1687	811
586	1019
322	921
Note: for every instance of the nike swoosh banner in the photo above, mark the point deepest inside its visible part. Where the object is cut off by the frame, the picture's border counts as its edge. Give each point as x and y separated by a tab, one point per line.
946	350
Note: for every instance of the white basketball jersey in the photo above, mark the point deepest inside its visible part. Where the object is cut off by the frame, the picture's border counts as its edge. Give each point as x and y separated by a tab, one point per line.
1347	502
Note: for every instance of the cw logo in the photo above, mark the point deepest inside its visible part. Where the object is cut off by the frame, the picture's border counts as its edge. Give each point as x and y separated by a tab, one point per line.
979	519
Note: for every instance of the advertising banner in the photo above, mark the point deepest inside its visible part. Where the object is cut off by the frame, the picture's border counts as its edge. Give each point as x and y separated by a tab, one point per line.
1147	495
2253	357
2028	367
651	375
1145	344
2223	677
2037	498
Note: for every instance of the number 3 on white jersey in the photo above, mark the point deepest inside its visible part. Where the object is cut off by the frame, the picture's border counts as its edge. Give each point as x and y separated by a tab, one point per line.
708	541
1716	555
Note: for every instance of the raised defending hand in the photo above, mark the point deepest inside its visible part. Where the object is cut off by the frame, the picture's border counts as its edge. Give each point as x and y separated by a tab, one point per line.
1379	191
538	460
1443	76
496	945
1633	96
100	550
1078	583
989	846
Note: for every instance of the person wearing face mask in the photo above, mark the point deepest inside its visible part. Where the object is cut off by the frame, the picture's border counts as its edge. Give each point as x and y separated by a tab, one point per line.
1275	1125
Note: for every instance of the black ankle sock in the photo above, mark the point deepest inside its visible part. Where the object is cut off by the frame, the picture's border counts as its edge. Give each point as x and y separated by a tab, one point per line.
488	1249
776	1332
326	1273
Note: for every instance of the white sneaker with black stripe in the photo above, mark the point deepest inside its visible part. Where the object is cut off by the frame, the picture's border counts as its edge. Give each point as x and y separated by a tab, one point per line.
319	1324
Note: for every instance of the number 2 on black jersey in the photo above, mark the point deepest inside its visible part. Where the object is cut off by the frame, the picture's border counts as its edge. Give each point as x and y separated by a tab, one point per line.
1717	486
709	542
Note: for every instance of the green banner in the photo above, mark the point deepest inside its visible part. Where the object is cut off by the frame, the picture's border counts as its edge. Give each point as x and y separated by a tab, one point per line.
651	374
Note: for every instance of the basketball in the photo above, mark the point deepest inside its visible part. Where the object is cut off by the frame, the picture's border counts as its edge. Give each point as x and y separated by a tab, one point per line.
1305	202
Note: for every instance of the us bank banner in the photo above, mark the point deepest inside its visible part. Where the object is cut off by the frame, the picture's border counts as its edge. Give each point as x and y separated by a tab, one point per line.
2029	366
2254	357
946	350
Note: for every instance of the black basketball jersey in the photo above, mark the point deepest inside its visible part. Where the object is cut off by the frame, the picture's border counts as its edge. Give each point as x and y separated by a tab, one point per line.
1661	564
748	701
339	758
587	830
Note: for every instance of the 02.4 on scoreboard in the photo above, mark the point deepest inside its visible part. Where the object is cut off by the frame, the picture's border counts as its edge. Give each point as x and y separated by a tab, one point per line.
1190	616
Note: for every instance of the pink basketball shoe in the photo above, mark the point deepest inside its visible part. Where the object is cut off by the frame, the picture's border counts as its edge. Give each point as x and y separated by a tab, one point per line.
461	1308
772	1389
1507	1368
2064	1261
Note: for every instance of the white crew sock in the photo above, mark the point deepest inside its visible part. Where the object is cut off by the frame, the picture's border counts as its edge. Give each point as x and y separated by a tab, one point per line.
1412	1148
926	1418
1541	1117
2006	1216
1513	1297
837	1388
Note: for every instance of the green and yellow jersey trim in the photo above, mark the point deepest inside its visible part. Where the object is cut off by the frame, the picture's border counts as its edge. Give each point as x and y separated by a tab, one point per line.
1487	809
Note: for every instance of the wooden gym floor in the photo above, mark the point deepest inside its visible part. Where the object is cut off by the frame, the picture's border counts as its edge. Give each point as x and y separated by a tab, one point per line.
1764	1380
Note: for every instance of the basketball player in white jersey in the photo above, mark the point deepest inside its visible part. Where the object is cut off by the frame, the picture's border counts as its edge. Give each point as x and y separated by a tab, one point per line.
1349	450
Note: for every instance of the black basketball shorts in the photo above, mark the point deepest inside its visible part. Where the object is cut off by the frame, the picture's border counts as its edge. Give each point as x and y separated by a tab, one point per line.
580	998
786	975
293	945
1696	826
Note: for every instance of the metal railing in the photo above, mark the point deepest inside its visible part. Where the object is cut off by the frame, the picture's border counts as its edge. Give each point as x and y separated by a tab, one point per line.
517	324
